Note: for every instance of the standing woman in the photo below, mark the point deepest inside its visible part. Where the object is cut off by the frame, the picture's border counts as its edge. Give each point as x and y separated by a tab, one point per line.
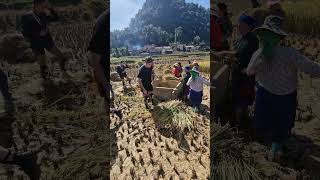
226	25
276	71
242	85
195	84
215	30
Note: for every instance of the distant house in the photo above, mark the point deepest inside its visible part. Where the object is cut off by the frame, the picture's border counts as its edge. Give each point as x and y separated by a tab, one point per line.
145	54
167	50
150	50
181	47
190	48
154	50
133	52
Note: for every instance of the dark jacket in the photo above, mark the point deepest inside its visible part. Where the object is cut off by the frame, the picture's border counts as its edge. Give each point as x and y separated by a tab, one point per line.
32	23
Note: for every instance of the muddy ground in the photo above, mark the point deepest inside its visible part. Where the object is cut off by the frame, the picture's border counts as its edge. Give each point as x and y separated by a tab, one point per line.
302	162
62	122
144	150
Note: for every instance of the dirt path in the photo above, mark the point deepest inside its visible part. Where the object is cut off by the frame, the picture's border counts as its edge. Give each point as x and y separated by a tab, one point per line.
144	151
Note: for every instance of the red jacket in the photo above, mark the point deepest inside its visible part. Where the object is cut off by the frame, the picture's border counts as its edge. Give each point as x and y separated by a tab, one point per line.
176	72
215	35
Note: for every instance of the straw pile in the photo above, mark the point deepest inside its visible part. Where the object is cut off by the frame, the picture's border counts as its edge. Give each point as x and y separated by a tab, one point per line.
228	160
14	49
174	115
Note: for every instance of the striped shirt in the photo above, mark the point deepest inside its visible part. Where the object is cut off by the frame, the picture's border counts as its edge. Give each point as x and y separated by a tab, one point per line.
197	84
279	75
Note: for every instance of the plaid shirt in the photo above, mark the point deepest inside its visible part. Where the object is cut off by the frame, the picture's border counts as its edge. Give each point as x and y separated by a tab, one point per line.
279	75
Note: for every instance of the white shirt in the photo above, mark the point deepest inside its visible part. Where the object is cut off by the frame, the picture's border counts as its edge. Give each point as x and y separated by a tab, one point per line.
197	84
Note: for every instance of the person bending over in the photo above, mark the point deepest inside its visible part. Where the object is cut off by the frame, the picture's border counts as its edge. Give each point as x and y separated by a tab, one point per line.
36	32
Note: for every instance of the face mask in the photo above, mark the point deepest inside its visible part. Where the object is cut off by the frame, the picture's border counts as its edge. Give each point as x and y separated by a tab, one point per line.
194	75
268	40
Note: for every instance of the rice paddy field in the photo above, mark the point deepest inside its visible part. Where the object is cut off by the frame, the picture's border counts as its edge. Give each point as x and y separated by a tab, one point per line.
236	156
62	122
169	142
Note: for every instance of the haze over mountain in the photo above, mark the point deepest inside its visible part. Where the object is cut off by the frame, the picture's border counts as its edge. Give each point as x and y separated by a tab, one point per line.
158	22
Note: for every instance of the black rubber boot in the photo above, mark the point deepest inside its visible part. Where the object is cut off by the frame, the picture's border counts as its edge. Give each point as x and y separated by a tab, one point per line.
152	100
146	102
117	112
44	71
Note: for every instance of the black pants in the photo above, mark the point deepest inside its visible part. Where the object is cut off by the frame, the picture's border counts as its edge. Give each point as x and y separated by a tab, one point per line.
6	135
38	46
5	88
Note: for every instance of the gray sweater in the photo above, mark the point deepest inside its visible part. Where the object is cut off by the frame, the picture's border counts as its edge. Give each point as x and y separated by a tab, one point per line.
279	75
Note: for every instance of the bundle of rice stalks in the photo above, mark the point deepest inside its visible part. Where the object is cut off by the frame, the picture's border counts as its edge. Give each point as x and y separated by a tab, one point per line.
174	115
14	49
167	71
86	164
114	76
168	77
302	16
205	66
228	161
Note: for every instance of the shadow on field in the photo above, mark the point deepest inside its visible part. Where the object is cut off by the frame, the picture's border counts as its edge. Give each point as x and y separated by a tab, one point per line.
66	96
303	154
205	111
113	146
7	117
6	134
165	130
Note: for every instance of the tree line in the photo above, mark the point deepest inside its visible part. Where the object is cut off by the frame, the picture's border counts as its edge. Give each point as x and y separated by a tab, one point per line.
163	22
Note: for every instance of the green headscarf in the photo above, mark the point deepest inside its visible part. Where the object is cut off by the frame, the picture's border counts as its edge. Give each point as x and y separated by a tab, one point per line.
268	40
194	75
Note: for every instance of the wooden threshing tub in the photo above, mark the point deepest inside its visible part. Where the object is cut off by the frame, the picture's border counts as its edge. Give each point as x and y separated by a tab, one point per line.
220	78
163	89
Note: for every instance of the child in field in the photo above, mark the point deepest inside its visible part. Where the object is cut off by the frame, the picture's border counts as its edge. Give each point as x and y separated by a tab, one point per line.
195	83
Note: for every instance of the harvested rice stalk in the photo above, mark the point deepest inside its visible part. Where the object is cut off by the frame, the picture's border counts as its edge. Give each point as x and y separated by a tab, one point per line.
227	159
174	115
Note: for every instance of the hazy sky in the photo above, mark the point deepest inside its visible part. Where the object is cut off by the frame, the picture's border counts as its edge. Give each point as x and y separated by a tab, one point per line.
121	11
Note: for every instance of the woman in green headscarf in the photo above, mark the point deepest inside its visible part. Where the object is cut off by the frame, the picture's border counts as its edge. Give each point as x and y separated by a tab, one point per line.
195	83
276	70
268	41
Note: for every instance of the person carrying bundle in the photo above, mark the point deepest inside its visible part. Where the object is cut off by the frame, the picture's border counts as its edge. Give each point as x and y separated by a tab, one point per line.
36	32
195	83
243	92
276	70
182	88
121	70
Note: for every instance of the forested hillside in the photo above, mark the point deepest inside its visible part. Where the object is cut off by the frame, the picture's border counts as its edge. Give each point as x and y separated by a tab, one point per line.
161	22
